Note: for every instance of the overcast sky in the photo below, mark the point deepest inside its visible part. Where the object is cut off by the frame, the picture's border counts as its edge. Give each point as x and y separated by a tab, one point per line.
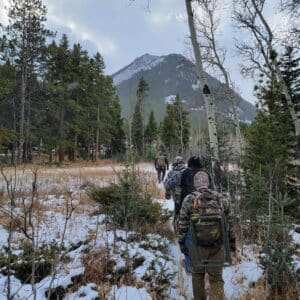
122	30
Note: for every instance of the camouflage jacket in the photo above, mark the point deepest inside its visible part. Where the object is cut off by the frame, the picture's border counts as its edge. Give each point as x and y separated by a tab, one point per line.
187	210
173	180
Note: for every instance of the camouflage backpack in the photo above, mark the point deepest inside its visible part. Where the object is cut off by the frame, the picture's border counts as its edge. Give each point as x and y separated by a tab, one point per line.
160	162
206	218
173	181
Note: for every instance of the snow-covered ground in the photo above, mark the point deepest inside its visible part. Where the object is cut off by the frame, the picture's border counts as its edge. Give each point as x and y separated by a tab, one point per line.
156	259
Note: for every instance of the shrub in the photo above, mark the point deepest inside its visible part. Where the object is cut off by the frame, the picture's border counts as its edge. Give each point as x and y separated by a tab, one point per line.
21	265
126	203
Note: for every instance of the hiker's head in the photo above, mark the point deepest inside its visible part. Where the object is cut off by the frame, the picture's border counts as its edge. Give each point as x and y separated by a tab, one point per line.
160	153
178	159
194	162
201	180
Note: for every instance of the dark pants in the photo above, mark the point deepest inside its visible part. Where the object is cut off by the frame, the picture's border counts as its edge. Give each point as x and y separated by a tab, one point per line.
216	291
161	174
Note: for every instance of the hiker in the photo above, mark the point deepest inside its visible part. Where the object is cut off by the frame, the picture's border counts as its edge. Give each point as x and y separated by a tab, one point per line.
187	179
200	223
172	186
161	165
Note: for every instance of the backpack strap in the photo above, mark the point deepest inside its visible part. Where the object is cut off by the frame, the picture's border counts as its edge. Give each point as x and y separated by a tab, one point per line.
196	200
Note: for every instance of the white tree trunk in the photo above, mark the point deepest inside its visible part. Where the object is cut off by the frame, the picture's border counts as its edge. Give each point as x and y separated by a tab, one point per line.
208	99
289	102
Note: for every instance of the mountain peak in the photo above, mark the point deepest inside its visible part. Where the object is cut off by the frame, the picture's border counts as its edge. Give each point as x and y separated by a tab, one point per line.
141	63
166	76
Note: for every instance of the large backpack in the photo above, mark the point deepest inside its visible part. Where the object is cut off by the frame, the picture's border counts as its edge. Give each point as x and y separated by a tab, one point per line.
206	218
173	181
160	162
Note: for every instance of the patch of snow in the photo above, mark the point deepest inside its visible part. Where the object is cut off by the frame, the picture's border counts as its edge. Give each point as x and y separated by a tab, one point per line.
238	278
128	293
87	292
3	237
179	66
183	287
170	99
295	236
145	62
197	108
24	291
77	228
296	263
167	204
196	86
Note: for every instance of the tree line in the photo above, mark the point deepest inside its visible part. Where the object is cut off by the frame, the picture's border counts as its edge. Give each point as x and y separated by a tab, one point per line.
54	98
171	136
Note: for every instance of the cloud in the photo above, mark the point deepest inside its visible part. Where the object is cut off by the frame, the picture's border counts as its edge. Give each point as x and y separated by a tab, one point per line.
104	44
3	12
160	18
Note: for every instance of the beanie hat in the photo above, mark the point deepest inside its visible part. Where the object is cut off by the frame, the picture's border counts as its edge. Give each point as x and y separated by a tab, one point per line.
195	162
201	180
178	159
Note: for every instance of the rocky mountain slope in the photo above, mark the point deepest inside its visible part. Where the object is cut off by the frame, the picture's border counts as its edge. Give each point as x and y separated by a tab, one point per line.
167	76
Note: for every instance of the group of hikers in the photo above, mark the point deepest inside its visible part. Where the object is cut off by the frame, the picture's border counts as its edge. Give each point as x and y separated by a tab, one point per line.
202	222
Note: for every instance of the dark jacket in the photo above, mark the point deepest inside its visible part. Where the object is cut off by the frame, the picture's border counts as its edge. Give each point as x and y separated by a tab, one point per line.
187	179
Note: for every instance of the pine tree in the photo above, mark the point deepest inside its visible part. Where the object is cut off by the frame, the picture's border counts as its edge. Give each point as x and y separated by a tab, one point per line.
57	78
137	131
151	130
8	95
27	39
97	89
151	137
175	132
141	93
117	132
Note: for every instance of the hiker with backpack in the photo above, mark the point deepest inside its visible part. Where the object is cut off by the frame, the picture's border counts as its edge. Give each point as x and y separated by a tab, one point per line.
187	180
161	165
172	186
205	234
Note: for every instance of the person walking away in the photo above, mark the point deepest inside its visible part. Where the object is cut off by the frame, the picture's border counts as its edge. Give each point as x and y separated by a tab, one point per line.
201	216
187	180
172	186
161	165
187	187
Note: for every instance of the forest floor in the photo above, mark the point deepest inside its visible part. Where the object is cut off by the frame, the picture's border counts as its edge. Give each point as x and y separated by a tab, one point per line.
93	257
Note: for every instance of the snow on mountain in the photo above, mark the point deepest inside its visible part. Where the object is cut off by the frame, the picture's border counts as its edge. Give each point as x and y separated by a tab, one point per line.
144	62
171	75
196	86
170	99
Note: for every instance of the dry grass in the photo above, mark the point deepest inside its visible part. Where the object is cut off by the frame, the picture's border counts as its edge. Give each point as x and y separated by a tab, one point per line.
148	183
97	266
257	291
165	230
